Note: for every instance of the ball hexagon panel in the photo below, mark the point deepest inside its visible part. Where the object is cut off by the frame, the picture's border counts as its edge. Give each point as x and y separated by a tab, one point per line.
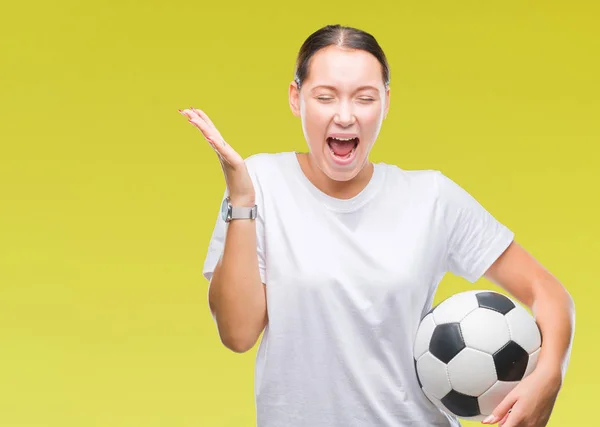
524	329
489	400
471	372
423	337
485	330
511	362
446	341
455	308
495	301
433	375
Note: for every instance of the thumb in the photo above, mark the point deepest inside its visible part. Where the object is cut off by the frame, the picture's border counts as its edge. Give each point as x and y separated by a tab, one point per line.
501	410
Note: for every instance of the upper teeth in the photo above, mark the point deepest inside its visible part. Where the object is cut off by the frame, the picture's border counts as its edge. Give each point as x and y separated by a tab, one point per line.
343	139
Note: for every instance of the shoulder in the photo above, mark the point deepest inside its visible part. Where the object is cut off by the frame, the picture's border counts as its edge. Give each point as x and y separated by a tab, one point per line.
433	181
429	185
423	181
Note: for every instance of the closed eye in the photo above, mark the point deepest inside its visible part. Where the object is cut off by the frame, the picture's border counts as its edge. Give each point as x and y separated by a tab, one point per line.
328	98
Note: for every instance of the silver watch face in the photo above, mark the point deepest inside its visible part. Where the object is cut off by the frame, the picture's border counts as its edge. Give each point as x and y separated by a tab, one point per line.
225	209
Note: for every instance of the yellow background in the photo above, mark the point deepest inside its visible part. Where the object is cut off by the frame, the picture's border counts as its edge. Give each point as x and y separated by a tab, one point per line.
108	196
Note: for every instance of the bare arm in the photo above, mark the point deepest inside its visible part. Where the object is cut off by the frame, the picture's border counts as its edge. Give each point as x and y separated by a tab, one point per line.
520	274
236	296
524	277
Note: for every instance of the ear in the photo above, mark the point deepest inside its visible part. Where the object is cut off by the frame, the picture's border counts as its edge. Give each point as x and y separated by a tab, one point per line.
294	98
387	103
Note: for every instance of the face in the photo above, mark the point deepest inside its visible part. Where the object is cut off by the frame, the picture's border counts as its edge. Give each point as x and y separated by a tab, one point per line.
343	97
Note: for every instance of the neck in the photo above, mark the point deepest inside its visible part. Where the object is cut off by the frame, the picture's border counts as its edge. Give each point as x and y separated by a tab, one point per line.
337	189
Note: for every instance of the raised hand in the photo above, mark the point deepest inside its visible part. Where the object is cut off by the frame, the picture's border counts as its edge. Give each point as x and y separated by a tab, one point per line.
239	184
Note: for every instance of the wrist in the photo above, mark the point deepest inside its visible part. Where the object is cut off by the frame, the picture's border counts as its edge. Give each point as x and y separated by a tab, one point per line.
552	371
242	200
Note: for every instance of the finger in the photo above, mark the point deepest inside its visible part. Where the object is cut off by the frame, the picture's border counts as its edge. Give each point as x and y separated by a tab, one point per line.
210	133
187	113
503	420
204	117
201	126
226	153
514	420
206	125
193	114
502	409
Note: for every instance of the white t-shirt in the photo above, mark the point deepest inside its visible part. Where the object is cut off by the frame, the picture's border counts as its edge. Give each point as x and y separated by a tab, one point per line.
347	283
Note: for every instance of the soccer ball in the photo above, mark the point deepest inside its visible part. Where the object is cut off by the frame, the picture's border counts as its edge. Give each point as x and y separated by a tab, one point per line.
472	349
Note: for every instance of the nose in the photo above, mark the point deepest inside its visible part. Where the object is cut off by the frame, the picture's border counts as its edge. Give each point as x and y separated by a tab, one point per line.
344	115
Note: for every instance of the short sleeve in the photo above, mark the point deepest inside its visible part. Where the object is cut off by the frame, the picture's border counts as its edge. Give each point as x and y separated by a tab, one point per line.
217	240
475	238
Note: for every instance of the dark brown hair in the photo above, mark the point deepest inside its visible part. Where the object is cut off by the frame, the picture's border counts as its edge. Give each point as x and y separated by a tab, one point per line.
341	36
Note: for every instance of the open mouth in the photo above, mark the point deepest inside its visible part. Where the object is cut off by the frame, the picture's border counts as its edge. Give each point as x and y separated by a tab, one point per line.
342	149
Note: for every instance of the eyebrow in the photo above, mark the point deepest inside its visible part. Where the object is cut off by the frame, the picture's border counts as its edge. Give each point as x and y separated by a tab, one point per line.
334	89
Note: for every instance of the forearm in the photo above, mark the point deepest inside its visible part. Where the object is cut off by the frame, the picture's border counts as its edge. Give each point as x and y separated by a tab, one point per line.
554	311
236	293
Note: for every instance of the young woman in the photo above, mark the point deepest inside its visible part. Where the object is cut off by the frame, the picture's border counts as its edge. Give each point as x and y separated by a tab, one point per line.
337	259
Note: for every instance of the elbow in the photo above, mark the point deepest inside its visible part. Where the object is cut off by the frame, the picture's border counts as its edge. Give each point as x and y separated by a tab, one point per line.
238	345
552	291
571	307
568	301
239	341
568	304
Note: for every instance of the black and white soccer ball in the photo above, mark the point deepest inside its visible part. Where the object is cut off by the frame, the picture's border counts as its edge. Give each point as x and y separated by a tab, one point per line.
472	349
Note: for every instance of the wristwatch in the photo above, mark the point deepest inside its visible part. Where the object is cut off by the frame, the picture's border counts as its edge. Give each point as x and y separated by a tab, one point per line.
229	212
